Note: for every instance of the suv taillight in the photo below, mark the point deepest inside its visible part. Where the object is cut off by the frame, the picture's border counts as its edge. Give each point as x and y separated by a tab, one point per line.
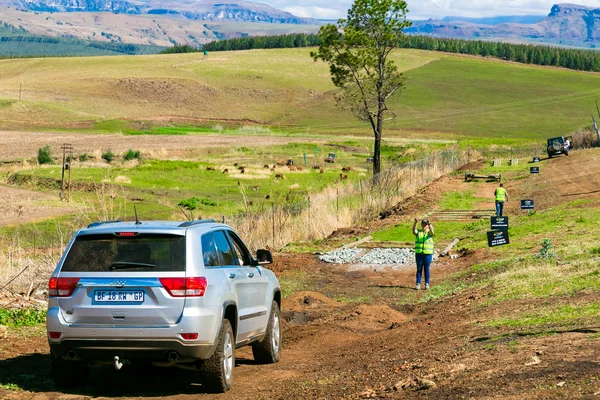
62	287
185	287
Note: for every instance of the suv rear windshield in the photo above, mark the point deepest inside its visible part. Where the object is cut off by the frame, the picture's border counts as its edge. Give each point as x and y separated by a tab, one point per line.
141	253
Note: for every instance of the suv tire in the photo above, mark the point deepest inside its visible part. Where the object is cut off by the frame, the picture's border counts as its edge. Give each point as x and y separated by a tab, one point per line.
67	374
218	369
268	351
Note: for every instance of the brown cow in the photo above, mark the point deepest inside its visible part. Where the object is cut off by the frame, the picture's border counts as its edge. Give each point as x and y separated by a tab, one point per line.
235	165
278	176
210	168
342	176
266	166
299	168
225	171
321	171
241	167
346	169
316	167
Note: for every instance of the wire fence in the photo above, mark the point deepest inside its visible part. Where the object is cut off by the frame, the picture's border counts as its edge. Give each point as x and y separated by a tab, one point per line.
342	205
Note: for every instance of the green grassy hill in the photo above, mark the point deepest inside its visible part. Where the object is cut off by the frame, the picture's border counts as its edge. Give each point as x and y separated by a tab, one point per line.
447	96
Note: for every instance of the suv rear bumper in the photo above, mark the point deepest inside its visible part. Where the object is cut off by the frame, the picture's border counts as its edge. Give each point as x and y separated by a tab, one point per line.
104	350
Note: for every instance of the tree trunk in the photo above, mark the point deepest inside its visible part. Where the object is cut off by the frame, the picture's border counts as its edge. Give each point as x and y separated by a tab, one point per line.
377	156
377	147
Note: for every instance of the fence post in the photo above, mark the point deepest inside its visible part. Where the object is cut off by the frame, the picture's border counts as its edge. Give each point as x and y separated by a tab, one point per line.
273	218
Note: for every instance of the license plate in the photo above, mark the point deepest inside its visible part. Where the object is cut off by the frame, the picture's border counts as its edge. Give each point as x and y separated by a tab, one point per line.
136	296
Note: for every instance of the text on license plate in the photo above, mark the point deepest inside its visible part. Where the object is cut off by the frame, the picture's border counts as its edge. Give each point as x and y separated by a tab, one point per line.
119	295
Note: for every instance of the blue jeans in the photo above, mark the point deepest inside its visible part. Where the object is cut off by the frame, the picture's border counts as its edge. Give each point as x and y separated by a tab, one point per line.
423	262
499	208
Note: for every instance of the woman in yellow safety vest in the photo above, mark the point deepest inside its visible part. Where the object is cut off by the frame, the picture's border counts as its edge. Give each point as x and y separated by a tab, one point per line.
423	250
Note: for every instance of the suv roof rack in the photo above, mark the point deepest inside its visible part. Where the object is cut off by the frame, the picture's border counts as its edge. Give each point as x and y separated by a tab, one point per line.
98	223
196	222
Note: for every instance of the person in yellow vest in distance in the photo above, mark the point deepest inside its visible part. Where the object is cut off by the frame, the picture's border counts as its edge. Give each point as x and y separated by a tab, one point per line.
501	197
423	250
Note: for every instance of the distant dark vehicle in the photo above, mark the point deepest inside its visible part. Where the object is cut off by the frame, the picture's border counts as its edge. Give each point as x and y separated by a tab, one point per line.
559	145
331	158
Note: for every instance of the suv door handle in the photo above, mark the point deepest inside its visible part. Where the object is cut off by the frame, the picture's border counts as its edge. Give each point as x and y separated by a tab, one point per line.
231	276
251	275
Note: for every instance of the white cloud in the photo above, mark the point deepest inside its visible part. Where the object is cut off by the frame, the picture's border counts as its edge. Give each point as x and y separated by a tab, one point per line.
423	9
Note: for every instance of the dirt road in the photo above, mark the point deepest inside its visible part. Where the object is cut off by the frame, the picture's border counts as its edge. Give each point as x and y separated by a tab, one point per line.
343	349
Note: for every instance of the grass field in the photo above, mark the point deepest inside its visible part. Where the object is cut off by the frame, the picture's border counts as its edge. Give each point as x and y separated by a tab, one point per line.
447	96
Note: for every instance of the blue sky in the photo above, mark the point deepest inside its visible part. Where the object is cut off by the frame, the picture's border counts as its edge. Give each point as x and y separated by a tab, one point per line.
423	9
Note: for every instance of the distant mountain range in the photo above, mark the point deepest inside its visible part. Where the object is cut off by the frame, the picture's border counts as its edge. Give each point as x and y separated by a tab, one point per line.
567	24
195	22
205	10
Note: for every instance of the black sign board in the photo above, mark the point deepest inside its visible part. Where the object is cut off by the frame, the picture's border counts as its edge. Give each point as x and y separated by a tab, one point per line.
497	238
534	170
527	205
499	223
536	159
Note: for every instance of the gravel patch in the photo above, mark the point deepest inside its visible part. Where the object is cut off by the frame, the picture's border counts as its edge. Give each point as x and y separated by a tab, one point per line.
378	259
343	256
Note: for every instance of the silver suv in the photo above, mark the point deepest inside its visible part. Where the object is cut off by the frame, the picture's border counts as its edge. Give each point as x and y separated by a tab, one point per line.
167	293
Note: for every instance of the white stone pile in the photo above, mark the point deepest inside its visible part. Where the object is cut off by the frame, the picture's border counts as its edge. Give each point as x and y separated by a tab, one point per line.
343	256
388	256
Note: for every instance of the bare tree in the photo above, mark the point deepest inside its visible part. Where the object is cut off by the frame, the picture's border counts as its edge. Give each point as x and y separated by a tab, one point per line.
358	50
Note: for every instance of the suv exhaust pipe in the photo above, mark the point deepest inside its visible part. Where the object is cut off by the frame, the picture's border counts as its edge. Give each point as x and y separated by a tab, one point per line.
71	354
173	356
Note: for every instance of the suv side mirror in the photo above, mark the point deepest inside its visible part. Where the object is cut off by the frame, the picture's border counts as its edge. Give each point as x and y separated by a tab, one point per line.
264	257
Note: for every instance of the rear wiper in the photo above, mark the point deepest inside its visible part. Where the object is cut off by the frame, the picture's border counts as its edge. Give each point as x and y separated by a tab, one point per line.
127	265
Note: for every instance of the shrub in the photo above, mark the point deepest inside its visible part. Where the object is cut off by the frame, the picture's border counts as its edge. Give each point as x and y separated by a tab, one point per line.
130	155
108	156
84	157
546	250
193	202
44	156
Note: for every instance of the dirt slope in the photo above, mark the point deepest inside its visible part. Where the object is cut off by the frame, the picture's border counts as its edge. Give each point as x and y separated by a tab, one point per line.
338	349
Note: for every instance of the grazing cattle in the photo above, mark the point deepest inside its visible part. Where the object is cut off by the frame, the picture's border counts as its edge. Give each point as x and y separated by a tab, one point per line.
225	171
266	166
292	168
278	176
342	176
299	168
235	165
242	171
267	197
255	188
210	168
346	169
321	171
316	167
241	167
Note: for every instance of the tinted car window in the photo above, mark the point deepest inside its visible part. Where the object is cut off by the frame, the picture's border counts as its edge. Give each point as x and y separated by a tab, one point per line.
240	249
209	251
143	253
225	252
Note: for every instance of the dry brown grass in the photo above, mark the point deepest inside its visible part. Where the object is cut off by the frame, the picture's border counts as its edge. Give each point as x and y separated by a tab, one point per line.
328	210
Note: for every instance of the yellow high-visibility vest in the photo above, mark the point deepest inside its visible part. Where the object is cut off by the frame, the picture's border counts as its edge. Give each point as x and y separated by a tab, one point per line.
501	194
423	243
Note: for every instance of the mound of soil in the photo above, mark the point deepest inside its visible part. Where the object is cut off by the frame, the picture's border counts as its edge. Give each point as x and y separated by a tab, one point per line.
303	301
373	318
